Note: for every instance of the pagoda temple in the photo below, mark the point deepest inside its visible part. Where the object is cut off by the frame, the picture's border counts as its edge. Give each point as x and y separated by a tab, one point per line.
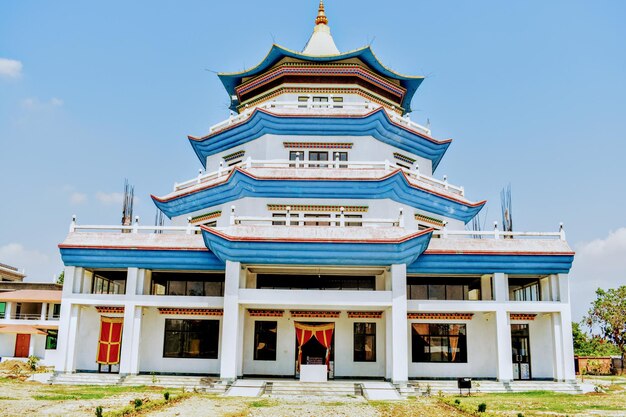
317	243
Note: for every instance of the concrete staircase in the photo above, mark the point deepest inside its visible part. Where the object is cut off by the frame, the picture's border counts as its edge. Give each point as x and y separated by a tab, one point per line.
287	388
421	387
197	383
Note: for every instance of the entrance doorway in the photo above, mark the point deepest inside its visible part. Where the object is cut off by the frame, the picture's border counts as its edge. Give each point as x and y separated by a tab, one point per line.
22	345
315	345
520	343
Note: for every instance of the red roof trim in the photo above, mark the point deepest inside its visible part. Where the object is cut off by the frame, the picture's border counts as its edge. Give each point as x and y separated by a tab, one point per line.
487	252
150	248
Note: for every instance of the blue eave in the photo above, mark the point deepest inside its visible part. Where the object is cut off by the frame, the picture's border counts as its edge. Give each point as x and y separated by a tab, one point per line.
489	263
189	260
365	54
394	186
316	253
376	124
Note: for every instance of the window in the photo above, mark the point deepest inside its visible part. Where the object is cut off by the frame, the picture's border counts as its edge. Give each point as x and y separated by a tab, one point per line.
293	155
365	342
3	307
341	156
108	284
338	102
352	223
191	339
443	288
439	342
317	156
56	311
315	219
315	282
265	340
524	289
51	339
187	284
320	100
303	100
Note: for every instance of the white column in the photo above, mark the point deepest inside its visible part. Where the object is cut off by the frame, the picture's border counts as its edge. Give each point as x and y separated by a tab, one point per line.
44	311
31	345
557	354
388	344
131	339
485	287
8	310
68	330
399	327
143	282
569	372
230	322
240	328
501	287
72	280
132	276
503	345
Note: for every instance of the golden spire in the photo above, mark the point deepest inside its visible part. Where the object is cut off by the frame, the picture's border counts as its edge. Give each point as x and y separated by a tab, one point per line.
321	18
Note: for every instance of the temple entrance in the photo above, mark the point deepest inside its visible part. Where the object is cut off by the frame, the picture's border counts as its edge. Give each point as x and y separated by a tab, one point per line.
109	344
22	345
520	343
315	344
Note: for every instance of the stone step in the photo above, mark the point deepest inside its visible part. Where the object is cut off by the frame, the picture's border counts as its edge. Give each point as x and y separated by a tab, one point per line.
328	389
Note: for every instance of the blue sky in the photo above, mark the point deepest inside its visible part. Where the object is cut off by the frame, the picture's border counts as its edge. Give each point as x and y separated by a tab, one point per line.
533	94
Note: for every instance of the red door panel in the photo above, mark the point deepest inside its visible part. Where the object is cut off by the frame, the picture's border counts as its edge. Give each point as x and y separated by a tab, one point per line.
22	345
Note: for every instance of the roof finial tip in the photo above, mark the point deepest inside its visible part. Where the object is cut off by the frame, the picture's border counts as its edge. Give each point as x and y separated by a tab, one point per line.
321	18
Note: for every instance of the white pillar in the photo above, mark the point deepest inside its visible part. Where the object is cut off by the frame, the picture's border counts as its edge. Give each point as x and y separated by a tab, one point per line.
72	280
399	325
569	372
503	346
44	311
131	339
68	330
132	276
8	310
230	322
485	287
143	282
31	345
501	287
557	341
388	344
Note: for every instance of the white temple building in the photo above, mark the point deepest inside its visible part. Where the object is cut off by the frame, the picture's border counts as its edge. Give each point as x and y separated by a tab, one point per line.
317	243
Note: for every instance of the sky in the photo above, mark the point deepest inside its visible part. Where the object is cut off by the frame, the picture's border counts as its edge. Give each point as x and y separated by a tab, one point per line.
532	93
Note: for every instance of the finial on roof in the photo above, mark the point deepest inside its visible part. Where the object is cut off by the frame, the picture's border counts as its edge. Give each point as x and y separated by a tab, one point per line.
321	18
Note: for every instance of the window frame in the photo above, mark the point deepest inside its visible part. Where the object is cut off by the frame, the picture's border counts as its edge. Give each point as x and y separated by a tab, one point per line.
213	354
52	339
427	357
364	336
259	331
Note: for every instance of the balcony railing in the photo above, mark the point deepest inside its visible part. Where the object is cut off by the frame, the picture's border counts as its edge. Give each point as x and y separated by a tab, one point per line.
337	164
330	107
339	220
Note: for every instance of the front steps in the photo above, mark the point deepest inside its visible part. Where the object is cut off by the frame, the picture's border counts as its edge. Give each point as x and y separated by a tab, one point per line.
422	387
189	383
293	388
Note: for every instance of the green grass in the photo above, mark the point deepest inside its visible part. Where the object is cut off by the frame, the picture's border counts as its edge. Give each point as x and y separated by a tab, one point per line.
262	403
7	398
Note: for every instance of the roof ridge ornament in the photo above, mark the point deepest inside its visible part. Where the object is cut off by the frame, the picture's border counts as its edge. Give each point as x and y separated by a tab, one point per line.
321	18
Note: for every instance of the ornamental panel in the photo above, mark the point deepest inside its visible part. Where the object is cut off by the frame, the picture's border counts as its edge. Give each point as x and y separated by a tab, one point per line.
192	311
317	145
315	314
265	313
365	314
110	309
316	208
440	316
516	316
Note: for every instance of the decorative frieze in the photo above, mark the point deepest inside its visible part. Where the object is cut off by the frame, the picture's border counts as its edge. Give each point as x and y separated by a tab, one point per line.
207	216
522	316
110	309
317	145
315	208
403	158
365	314
440	316
238	154
265	313
429	220
315	314
191	311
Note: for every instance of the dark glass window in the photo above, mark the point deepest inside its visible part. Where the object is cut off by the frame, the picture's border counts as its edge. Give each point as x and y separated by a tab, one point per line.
265	333
316	219
191	338
279	222
365	342
2	309
51	339
525	289
352	223
317	156
443	288
340	156
314	282
438	342
296	154
188	284
338	103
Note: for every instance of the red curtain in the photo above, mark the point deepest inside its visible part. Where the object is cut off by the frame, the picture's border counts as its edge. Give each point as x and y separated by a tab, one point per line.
322	332
110	342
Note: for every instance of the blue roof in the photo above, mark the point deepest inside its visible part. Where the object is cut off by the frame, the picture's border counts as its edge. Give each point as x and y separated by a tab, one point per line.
376	124
365	54
402	251
395	186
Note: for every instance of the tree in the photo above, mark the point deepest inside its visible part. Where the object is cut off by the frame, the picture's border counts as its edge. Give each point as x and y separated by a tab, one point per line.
607	317
61	278
591	346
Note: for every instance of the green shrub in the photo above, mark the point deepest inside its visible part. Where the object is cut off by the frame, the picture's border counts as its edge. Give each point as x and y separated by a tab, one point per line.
482	407
98	411
32	362
166	395
520	415
138	402
457	401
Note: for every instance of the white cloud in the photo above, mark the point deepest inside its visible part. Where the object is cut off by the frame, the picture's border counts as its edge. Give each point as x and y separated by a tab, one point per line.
39	266
33	103
109	198
10	68
600	263
78	198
